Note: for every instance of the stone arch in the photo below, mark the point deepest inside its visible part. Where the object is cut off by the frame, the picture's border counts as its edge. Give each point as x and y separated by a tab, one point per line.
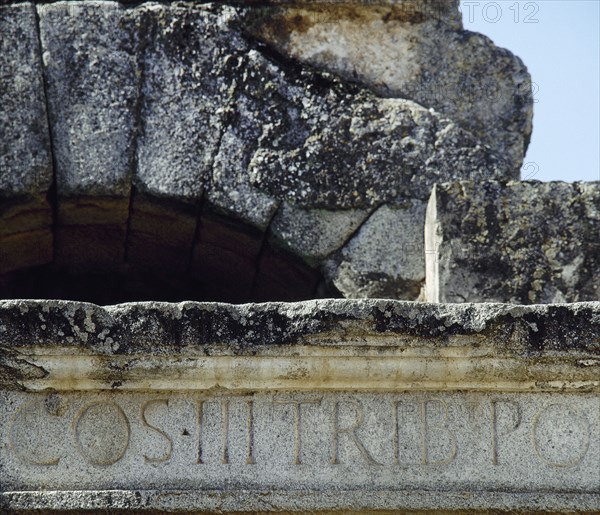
160	152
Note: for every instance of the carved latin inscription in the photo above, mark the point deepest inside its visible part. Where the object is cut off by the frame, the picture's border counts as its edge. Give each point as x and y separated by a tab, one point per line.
561	435
146	406
297	409
349	431
401	439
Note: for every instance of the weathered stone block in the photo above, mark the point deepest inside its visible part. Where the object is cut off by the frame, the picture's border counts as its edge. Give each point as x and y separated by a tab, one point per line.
386	256
319	406
89	52
356	150
314	234
25	158
178	101
525	242
183	96
413	52
255	103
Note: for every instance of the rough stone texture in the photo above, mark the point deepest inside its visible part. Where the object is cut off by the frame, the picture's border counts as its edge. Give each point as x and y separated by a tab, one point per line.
407	53
218	133
314	234
385	258
324	405
523	242
357	150
89	53
516	331
25	158
352	502
183	96
445	10
150	453
254	102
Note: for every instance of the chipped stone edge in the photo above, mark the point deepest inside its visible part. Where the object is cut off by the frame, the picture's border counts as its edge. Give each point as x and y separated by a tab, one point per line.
308	501
327	345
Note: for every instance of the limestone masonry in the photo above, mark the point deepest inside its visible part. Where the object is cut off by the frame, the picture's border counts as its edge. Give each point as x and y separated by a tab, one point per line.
296	143
212	135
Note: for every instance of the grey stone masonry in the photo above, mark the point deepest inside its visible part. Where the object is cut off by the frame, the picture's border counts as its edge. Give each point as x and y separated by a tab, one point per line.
386	256
89	53
323	406
25	156
167	117
413	50
523	242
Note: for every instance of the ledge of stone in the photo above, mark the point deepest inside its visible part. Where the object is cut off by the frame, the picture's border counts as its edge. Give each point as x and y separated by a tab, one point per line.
398	345
158	327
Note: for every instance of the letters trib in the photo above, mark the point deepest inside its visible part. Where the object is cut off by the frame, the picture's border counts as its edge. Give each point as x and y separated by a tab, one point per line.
300	439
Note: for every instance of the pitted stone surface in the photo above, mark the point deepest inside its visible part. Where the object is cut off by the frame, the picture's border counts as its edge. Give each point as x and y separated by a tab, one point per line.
157	327
178	102
184	92
120	441
91	68
89	54
415	55
25	161
385	258
525	242
357	150
315	234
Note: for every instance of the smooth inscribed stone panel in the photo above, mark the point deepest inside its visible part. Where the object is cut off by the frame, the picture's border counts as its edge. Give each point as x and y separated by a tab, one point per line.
283	442
314	406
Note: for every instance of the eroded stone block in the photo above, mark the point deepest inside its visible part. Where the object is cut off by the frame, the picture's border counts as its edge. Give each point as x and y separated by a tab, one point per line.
314	234
356	150
524	242
385	258
412	52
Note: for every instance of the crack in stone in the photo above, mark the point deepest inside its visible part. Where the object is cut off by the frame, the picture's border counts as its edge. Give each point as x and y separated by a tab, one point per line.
52	194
